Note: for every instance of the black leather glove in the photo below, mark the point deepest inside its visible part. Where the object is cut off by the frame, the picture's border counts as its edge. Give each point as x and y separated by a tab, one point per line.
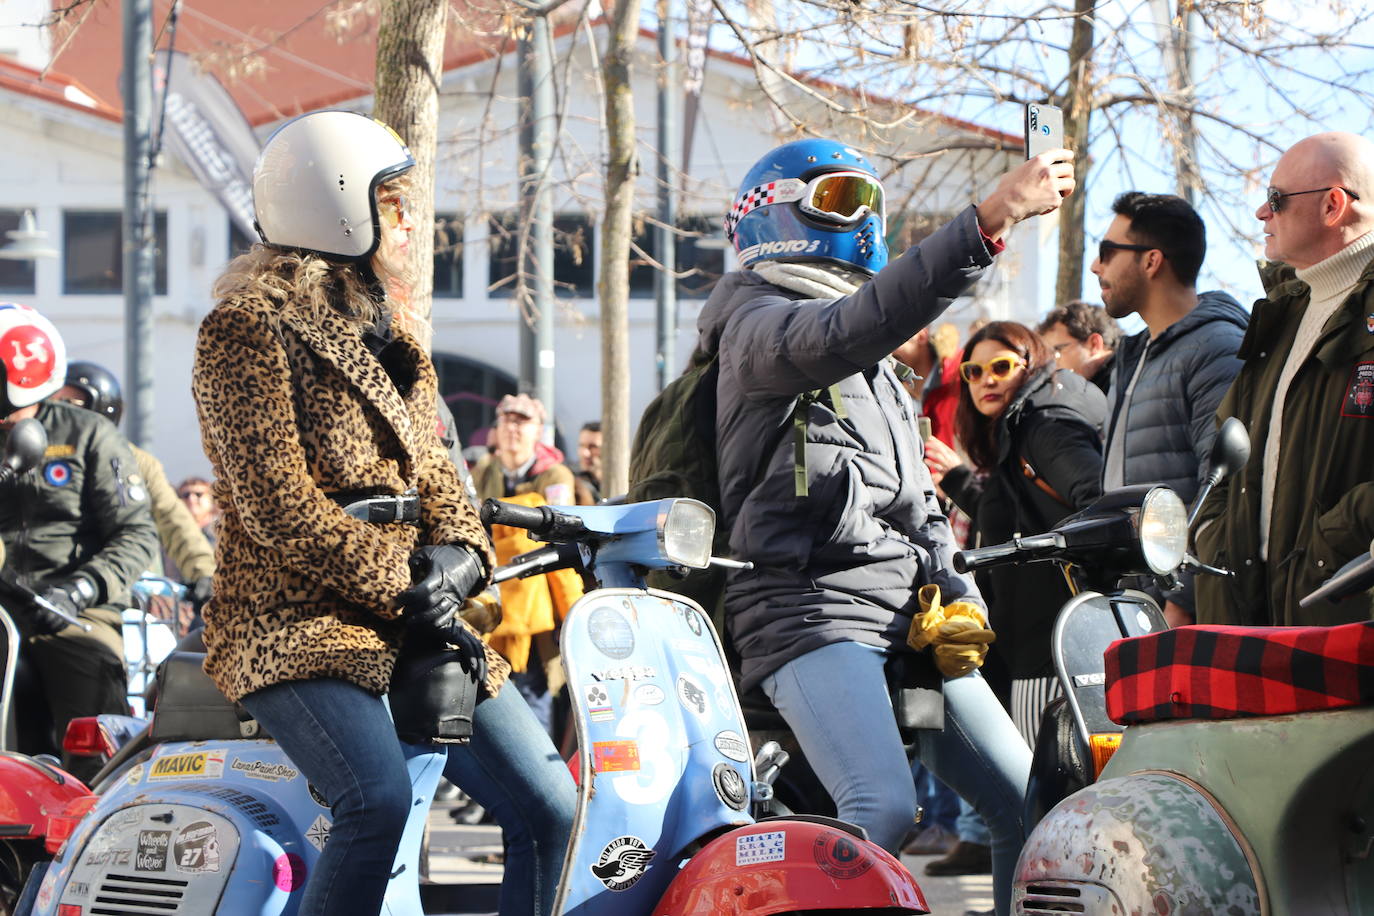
71	597
443	576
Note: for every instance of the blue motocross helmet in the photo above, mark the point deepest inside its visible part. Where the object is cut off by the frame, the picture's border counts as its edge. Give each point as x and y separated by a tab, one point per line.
811	200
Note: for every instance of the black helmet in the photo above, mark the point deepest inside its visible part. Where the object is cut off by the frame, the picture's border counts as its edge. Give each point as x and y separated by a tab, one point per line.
103	394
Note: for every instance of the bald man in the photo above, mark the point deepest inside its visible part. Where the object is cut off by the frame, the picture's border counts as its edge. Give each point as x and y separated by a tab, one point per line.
1304	504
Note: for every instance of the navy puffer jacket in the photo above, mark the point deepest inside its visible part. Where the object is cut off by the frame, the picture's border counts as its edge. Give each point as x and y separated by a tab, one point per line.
1171	418
843	563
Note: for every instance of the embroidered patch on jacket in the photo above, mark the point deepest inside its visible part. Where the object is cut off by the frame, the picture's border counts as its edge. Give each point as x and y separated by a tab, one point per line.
1359	393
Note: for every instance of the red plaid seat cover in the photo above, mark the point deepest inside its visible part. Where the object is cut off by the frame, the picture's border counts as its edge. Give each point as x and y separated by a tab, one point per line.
1206	672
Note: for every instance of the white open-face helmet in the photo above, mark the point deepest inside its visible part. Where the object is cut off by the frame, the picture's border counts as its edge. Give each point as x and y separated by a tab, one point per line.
314	186
33	355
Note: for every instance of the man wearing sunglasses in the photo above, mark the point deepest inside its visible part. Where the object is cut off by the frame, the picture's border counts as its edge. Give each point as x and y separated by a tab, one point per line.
1304	504
1168	379
832	503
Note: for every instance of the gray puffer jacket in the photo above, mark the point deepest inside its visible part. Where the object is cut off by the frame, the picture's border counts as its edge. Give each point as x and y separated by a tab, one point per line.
843	563
1171	419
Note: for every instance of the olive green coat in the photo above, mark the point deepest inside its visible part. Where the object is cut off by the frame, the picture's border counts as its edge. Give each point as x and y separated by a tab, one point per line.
1323	510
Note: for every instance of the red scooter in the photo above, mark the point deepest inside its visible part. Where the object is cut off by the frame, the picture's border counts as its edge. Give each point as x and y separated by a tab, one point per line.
36	794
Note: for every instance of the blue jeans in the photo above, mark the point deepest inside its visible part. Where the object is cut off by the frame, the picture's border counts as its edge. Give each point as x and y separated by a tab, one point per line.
836	700
345	743
512	769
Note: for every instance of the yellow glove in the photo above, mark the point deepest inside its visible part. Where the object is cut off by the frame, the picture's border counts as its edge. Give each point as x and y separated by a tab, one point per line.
959	633
925	626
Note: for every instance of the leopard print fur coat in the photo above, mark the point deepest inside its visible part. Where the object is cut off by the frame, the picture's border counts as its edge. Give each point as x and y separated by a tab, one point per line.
292	409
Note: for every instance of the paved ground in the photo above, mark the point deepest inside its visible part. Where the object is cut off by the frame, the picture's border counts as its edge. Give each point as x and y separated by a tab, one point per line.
456	853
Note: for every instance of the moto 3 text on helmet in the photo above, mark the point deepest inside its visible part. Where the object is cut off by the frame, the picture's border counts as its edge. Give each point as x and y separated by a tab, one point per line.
314	185
810	200
100	387
35	357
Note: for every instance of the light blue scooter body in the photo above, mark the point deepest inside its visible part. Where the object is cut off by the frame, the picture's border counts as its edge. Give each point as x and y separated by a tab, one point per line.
224	827
664	760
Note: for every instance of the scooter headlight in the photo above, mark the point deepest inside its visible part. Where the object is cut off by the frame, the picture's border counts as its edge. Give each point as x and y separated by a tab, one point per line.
1163	528
685	533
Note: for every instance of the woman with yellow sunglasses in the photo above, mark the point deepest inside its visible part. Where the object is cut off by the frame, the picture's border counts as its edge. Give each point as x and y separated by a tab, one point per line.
1033	441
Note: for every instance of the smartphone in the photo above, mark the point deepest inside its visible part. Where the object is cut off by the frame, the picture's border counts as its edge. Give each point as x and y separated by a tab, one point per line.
1044	129
923	425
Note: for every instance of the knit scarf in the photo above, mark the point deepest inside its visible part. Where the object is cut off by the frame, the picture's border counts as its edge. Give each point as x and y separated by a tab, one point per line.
818	280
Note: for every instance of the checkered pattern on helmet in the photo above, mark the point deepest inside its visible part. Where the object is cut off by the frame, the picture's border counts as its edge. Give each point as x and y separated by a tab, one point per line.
780	190
1219	672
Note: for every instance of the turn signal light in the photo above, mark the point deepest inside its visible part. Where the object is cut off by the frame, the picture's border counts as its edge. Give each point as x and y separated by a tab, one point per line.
62	826
68	909
86	738
1103	747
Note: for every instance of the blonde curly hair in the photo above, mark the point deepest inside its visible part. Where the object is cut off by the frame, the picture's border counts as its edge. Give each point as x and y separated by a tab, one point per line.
308	284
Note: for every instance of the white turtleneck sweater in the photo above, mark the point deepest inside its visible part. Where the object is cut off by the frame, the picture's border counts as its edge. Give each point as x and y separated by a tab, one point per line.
1330	282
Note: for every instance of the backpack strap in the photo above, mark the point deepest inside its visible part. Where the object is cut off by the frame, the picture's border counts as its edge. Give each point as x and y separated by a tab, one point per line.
799	424
1042	483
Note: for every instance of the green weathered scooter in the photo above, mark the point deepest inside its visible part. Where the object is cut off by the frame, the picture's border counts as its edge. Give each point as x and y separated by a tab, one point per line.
1267	814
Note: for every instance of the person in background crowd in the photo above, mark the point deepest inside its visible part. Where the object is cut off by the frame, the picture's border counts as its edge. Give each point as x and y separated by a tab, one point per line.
1170	377
932	359
522	469
589	464
933	380
187	555
77	530
852	556
313	395
1033	428
1084	339
198	495
1301	508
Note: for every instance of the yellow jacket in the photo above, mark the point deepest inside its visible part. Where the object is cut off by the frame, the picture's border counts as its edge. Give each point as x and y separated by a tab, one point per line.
533	606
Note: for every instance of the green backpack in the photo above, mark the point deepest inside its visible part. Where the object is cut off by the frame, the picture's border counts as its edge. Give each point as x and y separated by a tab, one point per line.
674	455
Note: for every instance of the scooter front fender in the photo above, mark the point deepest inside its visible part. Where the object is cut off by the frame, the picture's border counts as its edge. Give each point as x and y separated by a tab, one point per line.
1153	842
786	865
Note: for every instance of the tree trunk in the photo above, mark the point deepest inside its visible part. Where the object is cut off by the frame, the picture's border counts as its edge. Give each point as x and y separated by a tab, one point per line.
1078	107
410	49
614	286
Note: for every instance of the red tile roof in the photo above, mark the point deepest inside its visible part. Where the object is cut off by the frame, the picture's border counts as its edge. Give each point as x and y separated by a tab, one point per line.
53	87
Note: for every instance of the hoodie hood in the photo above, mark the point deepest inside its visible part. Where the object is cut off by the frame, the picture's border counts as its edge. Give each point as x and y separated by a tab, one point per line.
1211	306
731	291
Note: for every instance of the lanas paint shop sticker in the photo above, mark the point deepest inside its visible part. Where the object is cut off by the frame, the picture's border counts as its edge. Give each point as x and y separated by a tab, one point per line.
622	863
758	848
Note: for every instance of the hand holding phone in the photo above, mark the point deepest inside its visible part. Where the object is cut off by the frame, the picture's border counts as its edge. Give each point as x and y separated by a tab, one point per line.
923	425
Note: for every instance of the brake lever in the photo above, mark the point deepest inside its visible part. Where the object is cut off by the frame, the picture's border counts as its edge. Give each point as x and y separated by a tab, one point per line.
1192	562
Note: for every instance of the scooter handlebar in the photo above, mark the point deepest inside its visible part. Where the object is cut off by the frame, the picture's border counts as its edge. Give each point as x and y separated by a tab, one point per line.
544	522
1017	550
